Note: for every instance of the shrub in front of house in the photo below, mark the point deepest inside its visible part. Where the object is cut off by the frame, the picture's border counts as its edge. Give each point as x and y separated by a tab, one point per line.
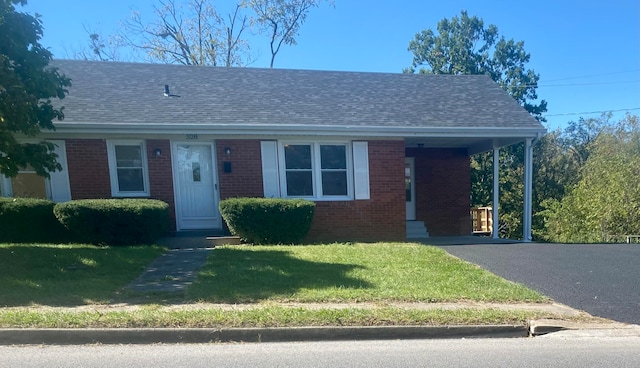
268	220
29	220
114	221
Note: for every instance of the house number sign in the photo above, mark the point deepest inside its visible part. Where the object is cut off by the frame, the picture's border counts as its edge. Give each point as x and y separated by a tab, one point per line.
192	137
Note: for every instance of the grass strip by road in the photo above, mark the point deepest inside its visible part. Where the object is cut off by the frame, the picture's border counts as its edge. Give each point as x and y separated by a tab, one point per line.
268	316
68	274
356	272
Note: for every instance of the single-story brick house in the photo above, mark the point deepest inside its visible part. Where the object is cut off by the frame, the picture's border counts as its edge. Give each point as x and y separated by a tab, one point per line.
375	151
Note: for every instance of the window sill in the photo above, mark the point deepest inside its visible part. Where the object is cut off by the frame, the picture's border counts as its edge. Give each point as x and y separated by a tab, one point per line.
130	195
324	199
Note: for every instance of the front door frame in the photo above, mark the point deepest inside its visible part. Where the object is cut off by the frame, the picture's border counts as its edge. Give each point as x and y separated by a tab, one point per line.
411	205
177	187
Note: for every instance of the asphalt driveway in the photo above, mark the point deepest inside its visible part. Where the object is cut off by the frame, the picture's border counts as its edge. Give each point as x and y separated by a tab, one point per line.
601	279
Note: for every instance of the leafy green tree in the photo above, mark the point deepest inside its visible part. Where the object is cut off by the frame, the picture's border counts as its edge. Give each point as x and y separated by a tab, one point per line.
606	200
27	86
463	45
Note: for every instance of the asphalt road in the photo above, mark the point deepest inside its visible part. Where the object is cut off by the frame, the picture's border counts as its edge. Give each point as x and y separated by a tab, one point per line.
601	279
524	352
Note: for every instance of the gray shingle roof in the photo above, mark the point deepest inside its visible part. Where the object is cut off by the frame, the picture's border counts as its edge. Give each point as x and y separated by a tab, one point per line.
132	93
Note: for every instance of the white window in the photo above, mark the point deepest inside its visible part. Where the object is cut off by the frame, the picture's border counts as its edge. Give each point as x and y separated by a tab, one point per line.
128	169
28	184
316	170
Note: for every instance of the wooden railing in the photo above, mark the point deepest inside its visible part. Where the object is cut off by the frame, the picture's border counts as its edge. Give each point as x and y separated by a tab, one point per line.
629	239
482	220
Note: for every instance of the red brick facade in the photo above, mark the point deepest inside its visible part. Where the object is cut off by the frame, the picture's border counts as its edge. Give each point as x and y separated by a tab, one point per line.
442	186
245	178
380	218
443	190
160	175
88	168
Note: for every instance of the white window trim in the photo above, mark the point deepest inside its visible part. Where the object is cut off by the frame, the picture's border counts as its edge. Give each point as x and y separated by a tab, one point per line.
56	186
113	170
316	171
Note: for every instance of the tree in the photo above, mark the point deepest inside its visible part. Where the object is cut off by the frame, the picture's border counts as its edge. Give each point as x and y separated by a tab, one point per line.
198	35
463	45
27	86
97	48
282	19
606	200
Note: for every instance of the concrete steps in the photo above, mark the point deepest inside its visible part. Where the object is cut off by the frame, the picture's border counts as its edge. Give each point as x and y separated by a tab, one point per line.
416	230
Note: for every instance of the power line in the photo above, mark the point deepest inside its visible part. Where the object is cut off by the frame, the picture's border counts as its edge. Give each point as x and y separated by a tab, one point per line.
592	112
587	84
593	75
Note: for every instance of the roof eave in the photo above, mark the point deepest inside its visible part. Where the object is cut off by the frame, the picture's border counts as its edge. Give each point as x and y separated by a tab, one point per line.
298	130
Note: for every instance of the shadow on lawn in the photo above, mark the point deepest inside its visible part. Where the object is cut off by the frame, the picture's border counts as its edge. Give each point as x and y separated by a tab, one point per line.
67	276
245	275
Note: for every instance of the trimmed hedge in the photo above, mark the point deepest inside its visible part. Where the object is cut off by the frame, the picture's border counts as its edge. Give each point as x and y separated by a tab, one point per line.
29	220
114	221
268	220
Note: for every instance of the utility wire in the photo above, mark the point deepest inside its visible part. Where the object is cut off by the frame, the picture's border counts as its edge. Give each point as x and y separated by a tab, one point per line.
592	112
587	84
593	75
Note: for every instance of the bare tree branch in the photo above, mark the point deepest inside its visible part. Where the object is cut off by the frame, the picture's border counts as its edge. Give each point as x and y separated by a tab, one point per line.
283	18
189	32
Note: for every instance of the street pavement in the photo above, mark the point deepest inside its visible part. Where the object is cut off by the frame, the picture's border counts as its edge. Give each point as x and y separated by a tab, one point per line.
537	352
601	279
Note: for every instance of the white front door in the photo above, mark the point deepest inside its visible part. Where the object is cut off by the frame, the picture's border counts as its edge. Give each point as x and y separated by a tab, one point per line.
195	186
410	187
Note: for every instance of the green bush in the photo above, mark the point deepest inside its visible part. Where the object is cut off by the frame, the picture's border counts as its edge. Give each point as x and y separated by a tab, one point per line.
114	221
29	220
268	220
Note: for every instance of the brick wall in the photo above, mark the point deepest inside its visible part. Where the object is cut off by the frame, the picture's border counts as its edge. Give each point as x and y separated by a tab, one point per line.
160	175
88	168
443	190
380	218
245	178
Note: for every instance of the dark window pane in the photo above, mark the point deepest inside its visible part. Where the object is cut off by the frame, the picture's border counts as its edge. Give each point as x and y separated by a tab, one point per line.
130	180
407	188
333	157
128	156
334	183
297	156
195	168
299	183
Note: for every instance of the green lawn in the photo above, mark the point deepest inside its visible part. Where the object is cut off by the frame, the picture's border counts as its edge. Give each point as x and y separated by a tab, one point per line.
348	273
277	280
68	275
263	316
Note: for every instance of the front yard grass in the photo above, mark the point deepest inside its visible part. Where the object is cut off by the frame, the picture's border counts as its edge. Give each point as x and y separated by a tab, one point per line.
39	282
68	275
349	273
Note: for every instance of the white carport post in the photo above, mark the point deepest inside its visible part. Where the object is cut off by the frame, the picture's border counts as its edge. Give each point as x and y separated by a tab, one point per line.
528	185
496	191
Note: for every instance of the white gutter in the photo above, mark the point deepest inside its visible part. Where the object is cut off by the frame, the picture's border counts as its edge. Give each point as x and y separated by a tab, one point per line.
325	130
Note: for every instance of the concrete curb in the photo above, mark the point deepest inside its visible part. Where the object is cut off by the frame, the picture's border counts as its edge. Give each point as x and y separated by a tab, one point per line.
559	328
205	335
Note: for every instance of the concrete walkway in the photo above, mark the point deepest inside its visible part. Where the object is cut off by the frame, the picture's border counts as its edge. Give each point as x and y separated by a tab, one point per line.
175	270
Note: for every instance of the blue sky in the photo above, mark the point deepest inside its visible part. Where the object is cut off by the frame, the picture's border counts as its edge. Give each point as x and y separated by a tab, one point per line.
586	52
